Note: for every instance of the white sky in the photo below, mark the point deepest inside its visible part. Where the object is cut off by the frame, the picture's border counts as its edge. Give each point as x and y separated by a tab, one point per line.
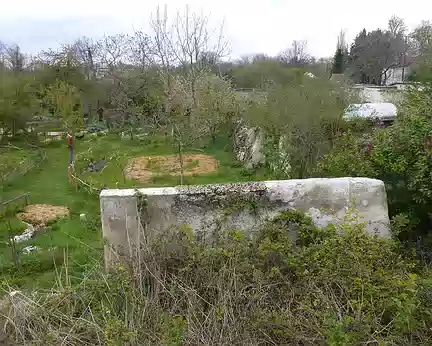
265	26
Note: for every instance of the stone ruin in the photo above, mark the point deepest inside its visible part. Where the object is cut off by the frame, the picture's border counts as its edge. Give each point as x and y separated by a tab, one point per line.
126	213
248	146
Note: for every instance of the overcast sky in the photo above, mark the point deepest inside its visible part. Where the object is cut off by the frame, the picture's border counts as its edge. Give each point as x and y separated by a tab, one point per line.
265	26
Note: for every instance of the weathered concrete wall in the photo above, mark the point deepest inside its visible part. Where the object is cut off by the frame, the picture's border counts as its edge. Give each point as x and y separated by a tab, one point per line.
212	208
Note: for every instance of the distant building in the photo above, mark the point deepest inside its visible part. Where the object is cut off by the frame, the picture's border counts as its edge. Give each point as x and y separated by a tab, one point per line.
398	75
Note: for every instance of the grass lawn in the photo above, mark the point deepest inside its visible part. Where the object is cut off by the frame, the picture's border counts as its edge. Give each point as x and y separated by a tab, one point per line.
14	161
72	240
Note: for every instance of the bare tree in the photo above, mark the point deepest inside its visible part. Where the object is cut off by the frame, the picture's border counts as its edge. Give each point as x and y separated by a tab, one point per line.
192	38
396	27
341	42
209	60
64	56
183	43
162	40
181	50
185	40
87	53
142	50
422	38
114	51
297	55
14	59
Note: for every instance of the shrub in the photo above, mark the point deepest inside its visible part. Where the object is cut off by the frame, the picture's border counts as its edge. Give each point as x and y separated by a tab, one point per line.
400	156
342	286
350	157
17	102
299	121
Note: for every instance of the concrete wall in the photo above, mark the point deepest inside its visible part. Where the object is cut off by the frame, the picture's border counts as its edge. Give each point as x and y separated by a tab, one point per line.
211	208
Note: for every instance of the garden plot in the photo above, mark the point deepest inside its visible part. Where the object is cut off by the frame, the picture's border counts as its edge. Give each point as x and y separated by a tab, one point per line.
37	217
143	169
40	215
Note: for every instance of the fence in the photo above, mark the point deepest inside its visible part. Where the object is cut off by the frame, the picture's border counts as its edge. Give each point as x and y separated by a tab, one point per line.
79	183
44	126
8	178
25	196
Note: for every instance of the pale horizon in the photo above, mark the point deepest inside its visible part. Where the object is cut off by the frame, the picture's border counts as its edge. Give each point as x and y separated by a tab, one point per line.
250	27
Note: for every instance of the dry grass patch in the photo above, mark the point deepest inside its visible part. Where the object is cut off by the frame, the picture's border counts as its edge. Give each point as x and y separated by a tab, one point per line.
142	169
42	214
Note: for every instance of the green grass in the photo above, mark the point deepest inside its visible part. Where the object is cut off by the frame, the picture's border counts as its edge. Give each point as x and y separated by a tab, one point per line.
80	243
15	161
14	157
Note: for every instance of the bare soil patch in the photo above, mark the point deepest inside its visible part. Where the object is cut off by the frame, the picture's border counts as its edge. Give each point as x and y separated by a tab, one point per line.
40	215
142	169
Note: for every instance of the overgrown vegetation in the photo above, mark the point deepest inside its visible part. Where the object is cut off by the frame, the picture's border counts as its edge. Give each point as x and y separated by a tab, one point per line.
240	290
170	92
300	121
400	156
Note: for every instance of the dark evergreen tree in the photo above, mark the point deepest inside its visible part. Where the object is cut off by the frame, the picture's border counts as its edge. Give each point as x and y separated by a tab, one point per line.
339	61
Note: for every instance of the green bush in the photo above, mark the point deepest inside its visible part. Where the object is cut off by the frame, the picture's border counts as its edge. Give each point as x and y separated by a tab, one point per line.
401	156
350	157
299	120
340	286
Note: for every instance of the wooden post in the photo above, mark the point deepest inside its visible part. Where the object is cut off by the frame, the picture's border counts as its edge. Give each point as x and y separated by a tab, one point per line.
70	174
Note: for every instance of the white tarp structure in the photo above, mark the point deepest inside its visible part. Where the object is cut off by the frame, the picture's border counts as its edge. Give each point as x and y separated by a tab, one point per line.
310	75
378	111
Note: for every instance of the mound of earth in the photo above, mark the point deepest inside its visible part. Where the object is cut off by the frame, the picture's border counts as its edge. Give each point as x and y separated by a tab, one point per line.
42	214
142	169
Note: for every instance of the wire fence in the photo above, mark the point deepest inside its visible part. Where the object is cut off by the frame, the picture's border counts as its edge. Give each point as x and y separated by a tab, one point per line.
25	197
21	170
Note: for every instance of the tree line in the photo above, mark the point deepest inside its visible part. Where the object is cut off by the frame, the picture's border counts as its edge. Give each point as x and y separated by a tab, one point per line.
175	76
372	55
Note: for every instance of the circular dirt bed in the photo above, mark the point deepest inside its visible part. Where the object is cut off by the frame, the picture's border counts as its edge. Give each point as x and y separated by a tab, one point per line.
42	214
142	169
